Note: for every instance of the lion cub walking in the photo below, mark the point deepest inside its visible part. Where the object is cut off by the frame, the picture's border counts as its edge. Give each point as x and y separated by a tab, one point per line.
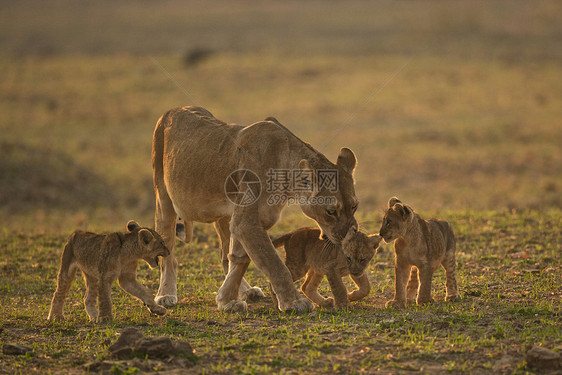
307	254
102	258
420	247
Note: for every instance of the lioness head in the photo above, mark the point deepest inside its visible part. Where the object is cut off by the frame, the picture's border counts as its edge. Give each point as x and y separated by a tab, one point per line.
395	220
332	202
150	242
359	249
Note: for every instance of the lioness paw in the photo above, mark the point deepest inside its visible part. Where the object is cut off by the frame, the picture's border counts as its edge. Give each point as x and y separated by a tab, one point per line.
167	300
235	306
299	306
252	294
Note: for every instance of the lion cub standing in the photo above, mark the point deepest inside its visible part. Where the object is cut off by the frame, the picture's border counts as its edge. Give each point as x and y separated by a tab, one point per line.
307	254
102	258
420	247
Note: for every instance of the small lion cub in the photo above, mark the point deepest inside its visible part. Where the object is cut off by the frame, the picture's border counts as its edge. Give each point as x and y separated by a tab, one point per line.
420	247
102	258
307	254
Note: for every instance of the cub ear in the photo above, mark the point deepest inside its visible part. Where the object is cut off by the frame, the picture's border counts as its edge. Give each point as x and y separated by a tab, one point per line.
132	225
145	236
403	210
392	201
347	160
304	164
374	241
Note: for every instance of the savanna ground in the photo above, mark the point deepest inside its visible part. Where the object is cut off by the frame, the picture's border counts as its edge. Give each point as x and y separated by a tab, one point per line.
453	107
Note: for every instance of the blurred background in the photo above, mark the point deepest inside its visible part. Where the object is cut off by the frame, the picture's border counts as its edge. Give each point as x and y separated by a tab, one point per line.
448	105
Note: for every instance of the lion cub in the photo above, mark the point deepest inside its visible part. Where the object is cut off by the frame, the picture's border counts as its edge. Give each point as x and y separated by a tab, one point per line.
420	247
102	258
307	254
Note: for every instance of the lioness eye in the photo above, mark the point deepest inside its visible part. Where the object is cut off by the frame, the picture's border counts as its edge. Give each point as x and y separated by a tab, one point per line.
331	212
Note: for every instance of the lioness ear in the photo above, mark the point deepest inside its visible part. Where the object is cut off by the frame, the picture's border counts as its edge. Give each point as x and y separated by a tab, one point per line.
132	225
145	236
347	160
392	201
272	119
304	164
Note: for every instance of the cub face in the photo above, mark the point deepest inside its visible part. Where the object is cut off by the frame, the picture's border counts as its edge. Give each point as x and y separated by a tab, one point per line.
359	249
395	220
151	244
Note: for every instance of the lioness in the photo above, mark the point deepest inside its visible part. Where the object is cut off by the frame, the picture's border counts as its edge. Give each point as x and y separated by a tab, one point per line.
208	171
420	247
307	254
102	258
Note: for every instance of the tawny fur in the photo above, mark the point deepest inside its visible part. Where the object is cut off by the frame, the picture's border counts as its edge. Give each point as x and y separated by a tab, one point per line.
420	246
102	258
307	254
193	155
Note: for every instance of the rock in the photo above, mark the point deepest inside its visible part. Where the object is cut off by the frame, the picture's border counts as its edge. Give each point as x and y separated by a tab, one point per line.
127	339
504	364
156	347
14	349
132	343
543	359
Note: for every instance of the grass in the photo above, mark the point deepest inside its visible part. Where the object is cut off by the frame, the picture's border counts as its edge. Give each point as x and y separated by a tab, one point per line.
509	275
468	130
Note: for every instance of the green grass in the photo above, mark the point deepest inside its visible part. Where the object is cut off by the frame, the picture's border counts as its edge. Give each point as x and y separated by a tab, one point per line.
468	130
509	301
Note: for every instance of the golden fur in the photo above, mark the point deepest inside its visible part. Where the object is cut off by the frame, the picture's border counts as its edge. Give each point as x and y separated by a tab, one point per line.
420	247
102	258
193	154
307	254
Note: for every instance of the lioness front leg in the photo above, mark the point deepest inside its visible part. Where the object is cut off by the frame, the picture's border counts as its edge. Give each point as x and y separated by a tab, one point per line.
364	286
129	283
228	296
258	246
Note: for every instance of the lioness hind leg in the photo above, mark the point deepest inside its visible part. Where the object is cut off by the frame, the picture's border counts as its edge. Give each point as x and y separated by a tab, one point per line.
66	276
413	285
228	295
165	219
246	291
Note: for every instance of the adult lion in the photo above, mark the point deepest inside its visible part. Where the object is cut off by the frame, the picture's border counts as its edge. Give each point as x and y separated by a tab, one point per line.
194	156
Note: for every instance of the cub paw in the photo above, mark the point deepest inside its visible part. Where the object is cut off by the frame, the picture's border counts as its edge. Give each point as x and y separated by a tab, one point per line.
453	298
425	301
328	303
166	300
104	319
157	309
235	306
395	304
299	306
252	294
